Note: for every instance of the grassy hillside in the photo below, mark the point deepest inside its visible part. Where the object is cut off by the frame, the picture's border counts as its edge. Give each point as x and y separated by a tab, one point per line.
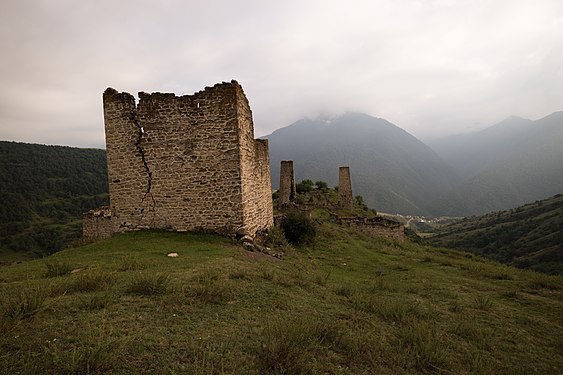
530	236
45	190
347	305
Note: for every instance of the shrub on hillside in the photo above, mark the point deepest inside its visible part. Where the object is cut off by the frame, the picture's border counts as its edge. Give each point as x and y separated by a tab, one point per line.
276	238
359	200
321	185
304	186
298	228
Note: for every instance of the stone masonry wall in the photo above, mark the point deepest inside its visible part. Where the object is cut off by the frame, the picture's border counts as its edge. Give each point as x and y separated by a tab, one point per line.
96	224
187	162
345	197
376	227
257	204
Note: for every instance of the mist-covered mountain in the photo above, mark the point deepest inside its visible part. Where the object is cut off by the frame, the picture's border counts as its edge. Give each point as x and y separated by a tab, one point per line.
391	169
472	153
504	166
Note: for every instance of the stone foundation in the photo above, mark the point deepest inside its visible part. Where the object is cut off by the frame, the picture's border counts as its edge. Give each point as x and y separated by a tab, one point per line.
376	227
96	224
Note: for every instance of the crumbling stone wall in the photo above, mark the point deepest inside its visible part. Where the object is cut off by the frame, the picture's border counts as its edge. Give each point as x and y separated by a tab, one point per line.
345	197
257	206
96	224
187	162
287	183
376	227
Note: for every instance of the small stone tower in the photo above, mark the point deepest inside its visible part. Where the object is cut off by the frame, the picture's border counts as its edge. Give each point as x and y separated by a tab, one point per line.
345	197
287	183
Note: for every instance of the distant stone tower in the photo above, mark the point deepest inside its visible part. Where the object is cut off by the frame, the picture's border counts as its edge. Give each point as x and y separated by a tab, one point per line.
345	200
287	183
186	162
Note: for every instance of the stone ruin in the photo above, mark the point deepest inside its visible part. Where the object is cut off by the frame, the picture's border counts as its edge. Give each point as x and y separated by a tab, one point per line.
376	227
96	224
184	163
345	197
287	183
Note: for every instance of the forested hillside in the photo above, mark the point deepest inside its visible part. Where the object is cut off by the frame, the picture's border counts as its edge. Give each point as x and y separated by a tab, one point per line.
45	190
530	236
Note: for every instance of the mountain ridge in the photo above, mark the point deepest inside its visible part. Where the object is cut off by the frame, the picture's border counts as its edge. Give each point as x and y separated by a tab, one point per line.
500	167
526	166
372	147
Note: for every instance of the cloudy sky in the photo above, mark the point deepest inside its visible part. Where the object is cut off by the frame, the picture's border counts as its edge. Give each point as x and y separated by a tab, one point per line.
432	67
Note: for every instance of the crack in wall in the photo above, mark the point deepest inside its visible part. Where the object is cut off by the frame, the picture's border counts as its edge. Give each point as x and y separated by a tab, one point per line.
148	192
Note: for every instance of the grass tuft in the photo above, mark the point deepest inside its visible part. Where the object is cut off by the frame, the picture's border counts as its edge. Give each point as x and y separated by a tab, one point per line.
131	263
397	311
471	330
88	281
56	269
96	301
344	290
425	345
267	274
287	346
364	302
96	353
293	278
322	279
239	274
540	281
209	287
23	303
148	284
92	282
483	302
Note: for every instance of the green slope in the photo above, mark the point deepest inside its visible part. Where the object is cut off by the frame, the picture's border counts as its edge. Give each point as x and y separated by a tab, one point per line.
530	236
45	190
347	305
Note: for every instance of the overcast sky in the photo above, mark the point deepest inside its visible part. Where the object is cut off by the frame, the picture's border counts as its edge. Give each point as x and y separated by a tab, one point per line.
432	67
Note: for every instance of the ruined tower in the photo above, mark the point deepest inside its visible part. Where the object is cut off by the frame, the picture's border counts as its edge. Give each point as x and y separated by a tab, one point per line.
345	197
287	182
186	162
